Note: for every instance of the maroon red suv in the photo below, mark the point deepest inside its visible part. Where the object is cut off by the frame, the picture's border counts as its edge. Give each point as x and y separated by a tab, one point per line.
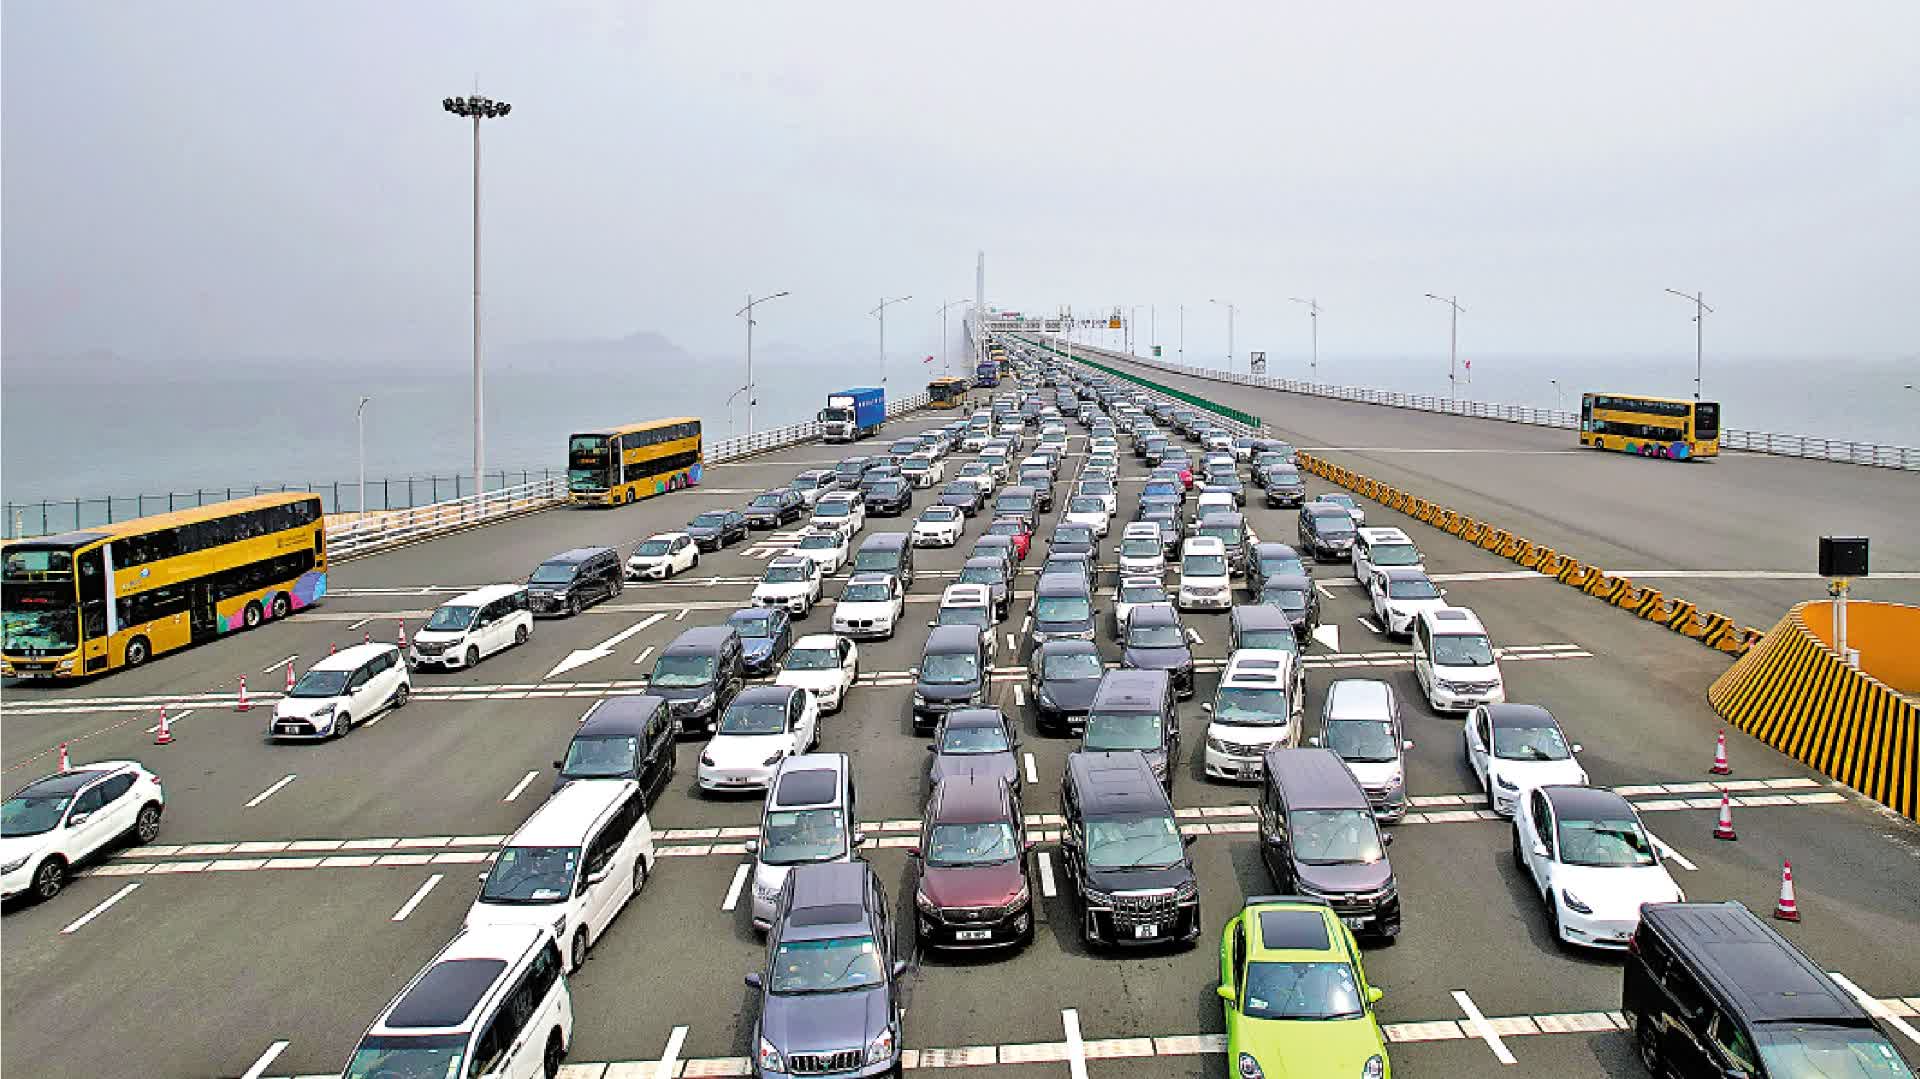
973	891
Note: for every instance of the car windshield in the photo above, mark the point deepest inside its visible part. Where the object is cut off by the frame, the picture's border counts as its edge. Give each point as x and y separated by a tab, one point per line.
942	514
1332	524
819	541
1058	609
971	739
825	966
949	669
1287	599
31	814
1087	504
1608	843
1160	487
531	875
980	575
1203	565
1462	650
682	671
756	717
433	1056
1282	567
1251	706
812	659
1140	547
1279	640
710	520
451	619
652	547
1336	837
1301	991
752	625
1071	667
984	843
1395	554
1363	740
889	488
770	500
882	561
1075	536
804	482
791	574
1532	742
1121	731
964	616
320	684
1095	487
1228	535
612	755
1007	528
1142	593
1158	635
833	509
1414	589
866	592
1285	477
794	837
1801	1051
555	572
1146	841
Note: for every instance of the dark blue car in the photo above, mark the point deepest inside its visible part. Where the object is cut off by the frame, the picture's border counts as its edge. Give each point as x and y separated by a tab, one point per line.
765	635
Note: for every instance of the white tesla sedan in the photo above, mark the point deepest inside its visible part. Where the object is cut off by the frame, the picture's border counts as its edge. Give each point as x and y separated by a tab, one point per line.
1592	861
761	727
824	665
1513	748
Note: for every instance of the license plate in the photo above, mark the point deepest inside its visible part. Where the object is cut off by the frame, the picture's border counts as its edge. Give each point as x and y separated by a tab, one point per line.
1356	924
1146	932
973	934
288	729
1251	770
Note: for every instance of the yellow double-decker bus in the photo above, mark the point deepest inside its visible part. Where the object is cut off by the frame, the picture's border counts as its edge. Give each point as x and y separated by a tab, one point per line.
948	392
91	601
625	464
1671	427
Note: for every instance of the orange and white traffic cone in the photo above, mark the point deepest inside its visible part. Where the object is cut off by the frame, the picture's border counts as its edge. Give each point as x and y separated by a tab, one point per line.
290	676
244	704
1724	828
66	765
163	735
1720	765
332	648
403	636
368	639
1787	910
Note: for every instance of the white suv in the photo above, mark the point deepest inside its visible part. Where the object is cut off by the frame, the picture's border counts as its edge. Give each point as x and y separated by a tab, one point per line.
353	686
844	512
790	582
55	823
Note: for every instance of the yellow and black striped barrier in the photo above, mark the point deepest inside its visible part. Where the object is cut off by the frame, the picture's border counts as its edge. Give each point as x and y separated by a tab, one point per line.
1710	628
1792	692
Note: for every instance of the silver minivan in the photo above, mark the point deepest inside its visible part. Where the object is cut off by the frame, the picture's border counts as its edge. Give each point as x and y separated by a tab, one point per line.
810	816
1361	722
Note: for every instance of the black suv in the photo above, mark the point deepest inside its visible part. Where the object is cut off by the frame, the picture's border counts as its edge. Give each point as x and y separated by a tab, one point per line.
572	581
698	674
1155	639
771	509
952	674
1326	531
1125	857
715	529
624	737
1319	839
1134	710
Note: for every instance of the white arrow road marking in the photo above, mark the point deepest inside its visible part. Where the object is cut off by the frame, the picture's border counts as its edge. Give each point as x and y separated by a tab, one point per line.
1194	636
580	657
1328	635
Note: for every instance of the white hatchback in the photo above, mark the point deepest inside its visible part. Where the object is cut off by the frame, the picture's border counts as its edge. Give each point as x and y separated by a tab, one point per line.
762	726
662	555
1592	862
351	687
1513	748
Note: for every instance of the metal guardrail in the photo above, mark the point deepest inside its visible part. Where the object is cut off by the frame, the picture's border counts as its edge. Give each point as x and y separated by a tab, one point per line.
1872	454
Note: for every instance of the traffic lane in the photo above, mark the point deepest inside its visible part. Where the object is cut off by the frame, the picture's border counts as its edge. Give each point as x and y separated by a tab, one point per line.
147	980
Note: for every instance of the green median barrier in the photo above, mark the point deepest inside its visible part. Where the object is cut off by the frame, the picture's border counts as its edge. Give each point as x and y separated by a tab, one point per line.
1196	400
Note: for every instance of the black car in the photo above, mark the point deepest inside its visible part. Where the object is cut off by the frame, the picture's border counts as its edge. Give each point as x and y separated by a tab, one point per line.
1062	676
1134	710
715	529
1125	857
698	673
890	496
766	633
623	737
847	473
1284	486
974	741
1155	639
1295	595
966	496
1041	481
1071	538
771	509
1225	480
830	993
1319	838
952	674
1326	531
1269	560
572	581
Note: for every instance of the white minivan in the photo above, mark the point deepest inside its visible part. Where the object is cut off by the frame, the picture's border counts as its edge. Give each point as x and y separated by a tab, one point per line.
494	1002
1454	660
1377	549
349	687
466	629
572	865
1205	579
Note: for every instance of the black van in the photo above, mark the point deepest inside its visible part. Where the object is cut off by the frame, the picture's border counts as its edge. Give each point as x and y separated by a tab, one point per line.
698	674
626	737
1134	710
1319	839
1125	856
952	674
572	581
1710	989
886	552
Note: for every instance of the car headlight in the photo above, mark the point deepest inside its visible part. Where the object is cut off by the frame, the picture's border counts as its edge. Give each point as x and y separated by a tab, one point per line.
560	928
15	865
1573	903
1020	898
918	699
1096	898
705	701
770	1057
771	761
325	710
1375	1068
1216	744
880	1049
706	759
927	906
1250	1068
1504	783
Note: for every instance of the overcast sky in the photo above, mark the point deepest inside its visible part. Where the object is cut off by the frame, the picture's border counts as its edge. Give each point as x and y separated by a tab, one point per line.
211	179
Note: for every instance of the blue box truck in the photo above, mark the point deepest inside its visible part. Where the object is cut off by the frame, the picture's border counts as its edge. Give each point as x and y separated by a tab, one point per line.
854	414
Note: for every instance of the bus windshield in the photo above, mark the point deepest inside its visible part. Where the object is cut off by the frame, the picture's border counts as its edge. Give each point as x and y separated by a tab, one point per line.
588	463
40	618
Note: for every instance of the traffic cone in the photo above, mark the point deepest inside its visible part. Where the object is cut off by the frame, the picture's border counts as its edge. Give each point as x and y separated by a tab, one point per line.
1720	765
244	705
403	636
368	639
332	648
1786	909
65	764
164	735
290	676
1724	829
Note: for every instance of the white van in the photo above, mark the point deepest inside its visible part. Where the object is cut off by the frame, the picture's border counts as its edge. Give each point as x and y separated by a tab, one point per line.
494	1002
1454	660
349	687
466	629
1205	575
572	865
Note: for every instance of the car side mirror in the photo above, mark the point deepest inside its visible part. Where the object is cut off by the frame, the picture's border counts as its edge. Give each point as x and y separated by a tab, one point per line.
1539	850
1386	839
913	671
1577	747
859	838
1226	992
899	968
1187	840
752	846
931	748
1407	744
78	819
1206	706
1030	846
558	764
1314	741
753	979
1374	994
595	878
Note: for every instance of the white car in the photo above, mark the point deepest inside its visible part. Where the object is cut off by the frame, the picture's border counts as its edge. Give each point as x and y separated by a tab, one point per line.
1376	550
1204	579
923	470
1103	444
1141	551
938	526
995	458
662	555
54	824
1218	444
844	512
762	726
982	483
1087	510
871	605
1102	489
1254	709
1212	502
793	583
349	687
825	548
467	628
1513	748
823	665
1592	861
1399	595
1133	592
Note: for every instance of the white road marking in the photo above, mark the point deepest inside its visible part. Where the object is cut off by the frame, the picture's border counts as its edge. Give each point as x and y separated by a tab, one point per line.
1076	1050
642	657
362	622
101	909
172	720
407	908
277	664
260	1066
1867	1001
1019	696
1046	875
733	890
582	656
1032	775
1194	636
1026	623
1011	644
1328	635
1321	587
525	782
682	616
1482	1027
1672	855
270	791
1372	625
670	1059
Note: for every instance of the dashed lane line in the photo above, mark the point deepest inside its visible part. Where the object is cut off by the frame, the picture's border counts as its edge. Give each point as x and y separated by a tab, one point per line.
407	908
1046	875
670	1058
1033	775
75	925
270	791
733	889
521	787
259	1067
1076	1048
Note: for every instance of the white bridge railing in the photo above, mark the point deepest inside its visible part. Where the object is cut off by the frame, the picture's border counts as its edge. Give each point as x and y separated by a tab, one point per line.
379	531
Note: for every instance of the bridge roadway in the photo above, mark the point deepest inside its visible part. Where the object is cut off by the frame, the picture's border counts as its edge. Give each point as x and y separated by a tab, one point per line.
224	950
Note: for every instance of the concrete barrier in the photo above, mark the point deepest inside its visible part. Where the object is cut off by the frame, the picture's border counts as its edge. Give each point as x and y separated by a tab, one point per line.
1792	692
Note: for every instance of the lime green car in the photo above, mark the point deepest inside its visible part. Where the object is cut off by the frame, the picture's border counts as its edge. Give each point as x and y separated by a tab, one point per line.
1297	1000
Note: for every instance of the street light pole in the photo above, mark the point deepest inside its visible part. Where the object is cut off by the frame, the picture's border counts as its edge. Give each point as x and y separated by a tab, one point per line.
1700	313
1183	335
882	312
477	108
946	365
1313	312
1230	310
360	422
1133	339
753	391
1559	398
1453	338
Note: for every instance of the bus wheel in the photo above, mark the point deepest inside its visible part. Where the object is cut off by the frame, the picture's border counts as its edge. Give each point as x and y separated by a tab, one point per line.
252	615
278	607
138	651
